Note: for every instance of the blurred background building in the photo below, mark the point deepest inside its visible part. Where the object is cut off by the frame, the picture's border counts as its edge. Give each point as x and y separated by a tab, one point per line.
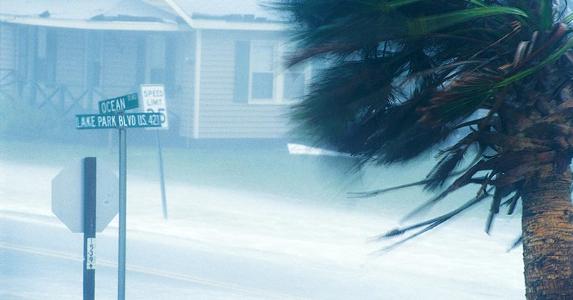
221	61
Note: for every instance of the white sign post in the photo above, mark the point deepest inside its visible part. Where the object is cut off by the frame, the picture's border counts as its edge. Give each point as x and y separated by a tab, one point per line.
153	98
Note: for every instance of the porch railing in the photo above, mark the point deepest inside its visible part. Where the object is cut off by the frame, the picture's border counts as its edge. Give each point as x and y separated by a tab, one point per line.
59	97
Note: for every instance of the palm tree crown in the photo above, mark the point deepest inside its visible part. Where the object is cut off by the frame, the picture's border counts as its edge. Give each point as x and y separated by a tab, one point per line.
492	80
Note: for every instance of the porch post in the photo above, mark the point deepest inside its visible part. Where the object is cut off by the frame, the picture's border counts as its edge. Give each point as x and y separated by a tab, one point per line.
197	83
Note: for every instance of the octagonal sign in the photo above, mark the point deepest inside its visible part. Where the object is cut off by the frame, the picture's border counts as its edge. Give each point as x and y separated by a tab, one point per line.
67	194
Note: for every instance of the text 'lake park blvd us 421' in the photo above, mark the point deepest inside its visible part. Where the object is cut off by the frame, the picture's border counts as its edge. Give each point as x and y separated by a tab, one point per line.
128	120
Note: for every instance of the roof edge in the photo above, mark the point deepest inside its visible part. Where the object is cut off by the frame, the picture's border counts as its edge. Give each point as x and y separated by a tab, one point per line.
206	22
226	25
91	25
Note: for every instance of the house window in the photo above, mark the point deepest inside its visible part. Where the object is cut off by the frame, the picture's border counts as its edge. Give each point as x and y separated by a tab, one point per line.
262	83
294	83
260	77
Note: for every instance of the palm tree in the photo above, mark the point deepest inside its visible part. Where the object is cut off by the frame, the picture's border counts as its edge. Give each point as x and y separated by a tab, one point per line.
489	82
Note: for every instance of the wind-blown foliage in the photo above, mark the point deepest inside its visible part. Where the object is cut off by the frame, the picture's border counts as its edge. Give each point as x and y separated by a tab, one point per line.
487	78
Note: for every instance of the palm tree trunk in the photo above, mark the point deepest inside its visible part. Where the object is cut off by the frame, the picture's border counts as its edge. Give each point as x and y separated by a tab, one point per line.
547	225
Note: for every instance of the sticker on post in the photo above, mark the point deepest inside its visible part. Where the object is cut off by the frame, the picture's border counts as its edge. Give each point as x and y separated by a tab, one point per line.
91	257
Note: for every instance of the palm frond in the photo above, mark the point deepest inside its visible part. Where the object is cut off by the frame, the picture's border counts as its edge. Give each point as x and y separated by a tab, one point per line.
568	19
430	24
546	14
429	224
530	71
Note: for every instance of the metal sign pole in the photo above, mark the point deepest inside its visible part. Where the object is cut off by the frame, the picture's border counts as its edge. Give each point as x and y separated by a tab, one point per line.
89	198
112	115
161	176
122	214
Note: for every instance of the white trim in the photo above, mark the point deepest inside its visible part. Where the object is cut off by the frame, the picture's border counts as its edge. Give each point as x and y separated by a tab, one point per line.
197	83
93	25
147	26
232	25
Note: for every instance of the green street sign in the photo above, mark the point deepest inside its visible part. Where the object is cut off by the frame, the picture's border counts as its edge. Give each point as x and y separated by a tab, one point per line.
118	104
131	120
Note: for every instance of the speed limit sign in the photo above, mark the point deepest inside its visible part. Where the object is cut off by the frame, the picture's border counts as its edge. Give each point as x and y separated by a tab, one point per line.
153	99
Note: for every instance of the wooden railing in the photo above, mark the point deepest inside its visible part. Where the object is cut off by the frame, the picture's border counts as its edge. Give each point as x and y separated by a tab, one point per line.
59	97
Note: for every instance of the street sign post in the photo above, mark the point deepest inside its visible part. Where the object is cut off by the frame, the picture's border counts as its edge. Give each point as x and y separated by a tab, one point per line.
89	170
112	115
153	98
78	191
122	237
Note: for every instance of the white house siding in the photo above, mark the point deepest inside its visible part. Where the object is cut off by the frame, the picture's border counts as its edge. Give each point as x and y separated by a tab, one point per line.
220	117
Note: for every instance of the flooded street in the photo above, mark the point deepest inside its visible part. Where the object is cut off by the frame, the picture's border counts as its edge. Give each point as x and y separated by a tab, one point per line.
224	242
